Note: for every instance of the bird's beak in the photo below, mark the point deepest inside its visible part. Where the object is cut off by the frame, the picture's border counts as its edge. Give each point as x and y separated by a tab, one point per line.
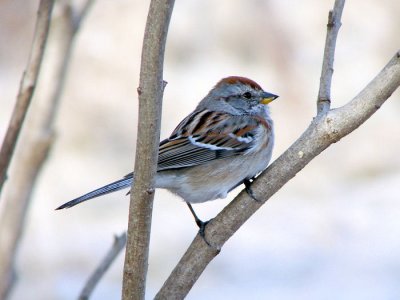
267	98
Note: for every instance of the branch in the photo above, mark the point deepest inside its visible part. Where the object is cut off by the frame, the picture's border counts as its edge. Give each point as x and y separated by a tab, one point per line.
334	23
36	140
322	132
142	192
81	15
27	87
117	246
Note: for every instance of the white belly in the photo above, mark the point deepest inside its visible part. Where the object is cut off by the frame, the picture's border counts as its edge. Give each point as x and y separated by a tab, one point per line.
212	180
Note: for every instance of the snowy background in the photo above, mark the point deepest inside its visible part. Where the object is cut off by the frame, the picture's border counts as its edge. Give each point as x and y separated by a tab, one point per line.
333	232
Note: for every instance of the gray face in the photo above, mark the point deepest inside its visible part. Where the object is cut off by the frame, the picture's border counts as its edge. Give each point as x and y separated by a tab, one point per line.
245	100
237	99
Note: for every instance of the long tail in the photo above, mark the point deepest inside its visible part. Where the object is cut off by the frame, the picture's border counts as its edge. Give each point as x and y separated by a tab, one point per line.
109	188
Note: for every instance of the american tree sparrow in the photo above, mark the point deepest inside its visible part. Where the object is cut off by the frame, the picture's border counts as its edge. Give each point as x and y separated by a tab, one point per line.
226	141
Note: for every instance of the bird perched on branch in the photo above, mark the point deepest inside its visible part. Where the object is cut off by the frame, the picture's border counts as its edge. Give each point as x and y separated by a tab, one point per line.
226	141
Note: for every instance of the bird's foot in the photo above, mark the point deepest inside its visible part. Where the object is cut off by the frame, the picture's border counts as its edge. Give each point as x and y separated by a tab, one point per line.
247	184
202	229
201	224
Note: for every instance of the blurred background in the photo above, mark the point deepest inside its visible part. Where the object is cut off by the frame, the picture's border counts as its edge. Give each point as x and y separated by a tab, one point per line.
331	233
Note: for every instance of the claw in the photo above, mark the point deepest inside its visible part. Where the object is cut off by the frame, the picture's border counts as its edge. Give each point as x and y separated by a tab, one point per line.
201	224
202	227
247	184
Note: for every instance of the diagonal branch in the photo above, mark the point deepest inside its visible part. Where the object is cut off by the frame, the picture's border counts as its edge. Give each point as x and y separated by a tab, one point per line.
142	192
36	140
27	87
117	246
322	132
334	23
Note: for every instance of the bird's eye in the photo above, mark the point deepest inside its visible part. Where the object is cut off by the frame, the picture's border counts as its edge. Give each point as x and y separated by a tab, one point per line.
247	95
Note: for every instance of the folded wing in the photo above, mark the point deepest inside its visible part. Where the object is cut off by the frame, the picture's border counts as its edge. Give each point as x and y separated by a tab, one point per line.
205	136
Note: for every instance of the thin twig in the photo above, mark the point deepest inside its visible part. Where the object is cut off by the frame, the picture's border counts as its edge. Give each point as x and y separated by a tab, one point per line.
318	136
81	14
334	23
117	246
36	140
27	87
142	193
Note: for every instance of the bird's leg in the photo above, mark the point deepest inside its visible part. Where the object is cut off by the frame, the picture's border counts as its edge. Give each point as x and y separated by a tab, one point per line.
202	225
247	183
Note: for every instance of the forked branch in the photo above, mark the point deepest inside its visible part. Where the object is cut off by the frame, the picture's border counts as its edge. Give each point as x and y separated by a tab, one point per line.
327	128
321	133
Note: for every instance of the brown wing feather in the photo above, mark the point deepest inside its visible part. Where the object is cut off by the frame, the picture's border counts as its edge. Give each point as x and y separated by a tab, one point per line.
205	136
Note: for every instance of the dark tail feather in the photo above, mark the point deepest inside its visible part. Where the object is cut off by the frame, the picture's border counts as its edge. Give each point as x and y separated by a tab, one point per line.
109	188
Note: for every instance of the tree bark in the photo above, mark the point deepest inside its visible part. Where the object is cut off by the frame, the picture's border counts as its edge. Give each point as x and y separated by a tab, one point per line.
326	129
150	92
36	140
27	87
333	26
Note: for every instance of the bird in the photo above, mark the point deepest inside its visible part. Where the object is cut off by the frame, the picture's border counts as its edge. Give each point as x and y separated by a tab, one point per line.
225	142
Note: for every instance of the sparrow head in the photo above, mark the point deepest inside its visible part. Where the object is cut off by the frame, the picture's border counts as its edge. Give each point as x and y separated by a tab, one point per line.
238	95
